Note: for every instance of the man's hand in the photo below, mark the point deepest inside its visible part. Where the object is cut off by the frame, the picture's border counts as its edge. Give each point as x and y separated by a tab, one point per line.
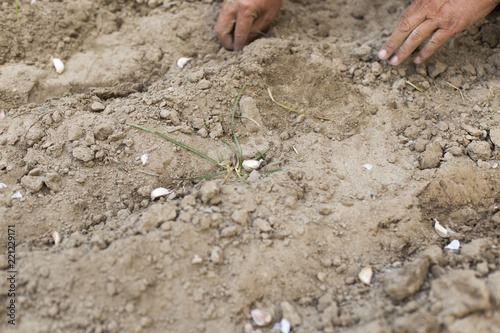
241	21
442	18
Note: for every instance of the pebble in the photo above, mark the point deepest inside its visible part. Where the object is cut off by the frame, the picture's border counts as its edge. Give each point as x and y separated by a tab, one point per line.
248	106
203	84
479	150
322	277
495	137
97	107
291	314
262	225
196	260
209	191
431	157
156	215
83	154
216	255
229	231
240	216
75	133
402	283
102	132
34	184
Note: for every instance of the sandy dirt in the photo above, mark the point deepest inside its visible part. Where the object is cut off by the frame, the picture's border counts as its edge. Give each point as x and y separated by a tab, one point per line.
363	188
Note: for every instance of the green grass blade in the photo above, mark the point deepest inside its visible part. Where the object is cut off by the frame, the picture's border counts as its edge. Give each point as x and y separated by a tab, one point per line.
232	123
180	144
414	86
230	146
269	172
261	155
203	177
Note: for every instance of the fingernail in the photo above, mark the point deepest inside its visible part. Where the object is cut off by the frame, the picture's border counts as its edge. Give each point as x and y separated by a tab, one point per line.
382	54
394	60
417	60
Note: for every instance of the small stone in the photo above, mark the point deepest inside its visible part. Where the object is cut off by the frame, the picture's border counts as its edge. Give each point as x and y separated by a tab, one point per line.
479	150
204	84
495	137
197	260
102	132
325	210
75	133
209	191
377	68
405	282
262	225
156	215
322	277
469	69
97	107
229	231
291	314
216	255
431	157
83	154
34	184
240	216
362	53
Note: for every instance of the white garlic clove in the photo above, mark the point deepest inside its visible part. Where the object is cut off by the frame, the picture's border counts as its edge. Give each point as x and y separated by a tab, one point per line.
144	158
182	62
159	192
3	185
56	237
17	195
285	326
3	113
366	275
58	64
440	230
454	245
251	165
260	317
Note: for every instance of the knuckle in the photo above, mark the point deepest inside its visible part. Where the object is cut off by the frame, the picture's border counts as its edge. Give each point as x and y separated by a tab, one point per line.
403	26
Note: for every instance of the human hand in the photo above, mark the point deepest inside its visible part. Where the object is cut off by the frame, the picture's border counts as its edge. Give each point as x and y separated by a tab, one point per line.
241	21
442	18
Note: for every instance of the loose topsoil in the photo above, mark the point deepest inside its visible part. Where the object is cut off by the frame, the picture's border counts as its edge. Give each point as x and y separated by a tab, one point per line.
363	188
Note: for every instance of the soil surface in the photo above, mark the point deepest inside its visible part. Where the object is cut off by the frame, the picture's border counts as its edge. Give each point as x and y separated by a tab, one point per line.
363	188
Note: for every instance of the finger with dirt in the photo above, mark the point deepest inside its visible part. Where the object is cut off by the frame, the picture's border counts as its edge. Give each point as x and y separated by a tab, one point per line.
440	19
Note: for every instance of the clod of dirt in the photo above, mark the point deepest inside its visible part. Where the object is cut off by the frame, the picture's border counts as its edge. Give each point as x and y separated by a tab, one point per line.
431	157
407	281
460	292
479	150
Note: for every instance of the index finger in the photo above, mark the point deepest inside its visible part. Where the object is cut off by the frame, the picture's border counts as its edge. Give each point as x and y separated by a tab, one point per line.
242	30
410	19
224	29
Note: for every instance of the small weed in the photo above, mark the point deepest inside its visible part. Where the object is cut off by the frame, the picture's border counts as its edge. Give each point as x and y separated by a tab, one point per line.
414	86
223	163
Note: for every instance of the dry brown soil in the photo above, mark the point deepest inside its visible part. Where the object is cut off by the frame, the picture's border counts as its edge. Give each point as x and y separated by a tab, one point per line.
361	189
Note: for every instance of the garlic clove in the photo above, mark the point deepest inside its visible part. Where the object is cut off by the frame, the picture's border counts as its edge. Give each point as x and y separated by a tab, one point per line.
260	317
454	245
56	237
251	165
182	62
3	113
440	230
58	64
284	326
159	192
366	275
